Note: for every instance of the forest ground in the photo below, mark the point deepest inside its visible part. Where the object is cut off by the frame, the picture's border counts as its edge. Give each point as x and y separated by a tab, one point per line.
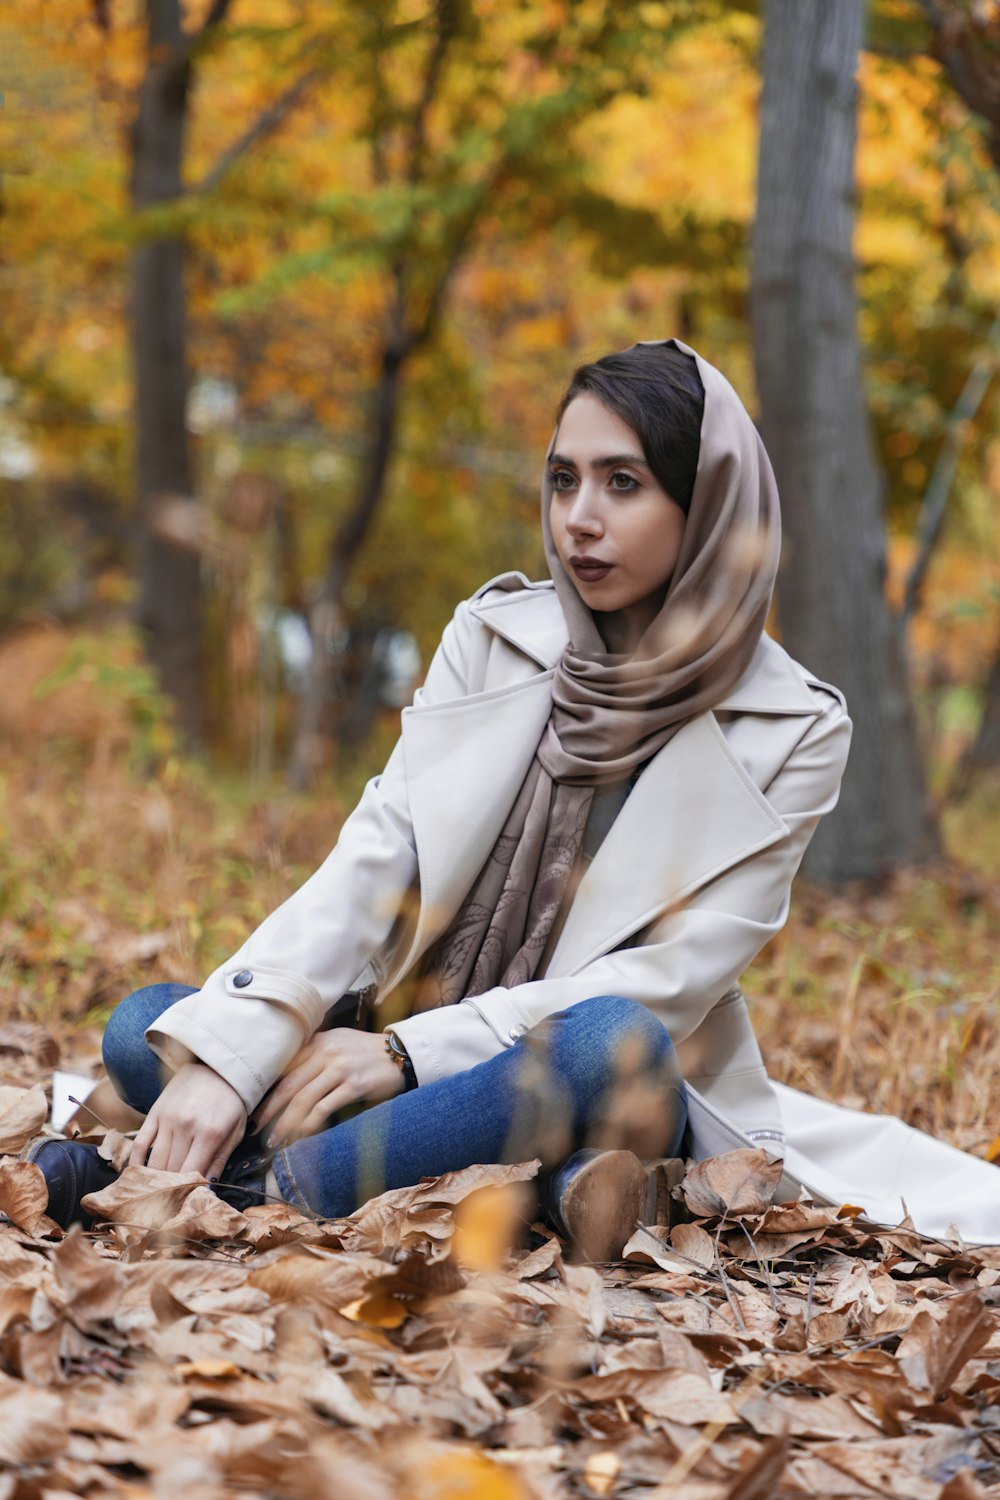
749	1351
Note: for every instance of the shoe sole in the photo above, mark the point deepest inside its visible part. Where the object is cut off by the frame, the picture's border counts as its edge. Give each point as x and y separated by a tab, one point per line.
605	1201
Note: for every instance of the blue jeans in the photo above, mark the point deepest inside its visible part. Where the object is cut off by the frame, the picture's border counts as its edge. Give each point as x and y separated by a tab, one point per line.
601	1073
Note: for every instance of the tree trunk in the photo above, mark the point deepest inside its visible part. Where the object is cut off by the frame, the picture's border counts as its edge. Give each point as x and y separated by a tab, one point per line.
831	593
984	752
170	591
312	733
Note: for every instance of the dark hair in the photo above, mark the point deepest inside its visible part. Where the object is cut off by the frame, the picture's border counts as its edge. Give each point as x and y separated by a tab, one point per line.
657	390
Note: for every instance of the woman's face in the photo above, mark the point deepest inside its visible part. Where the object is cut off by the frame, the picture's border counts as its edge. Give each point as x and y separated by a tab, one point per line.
616	530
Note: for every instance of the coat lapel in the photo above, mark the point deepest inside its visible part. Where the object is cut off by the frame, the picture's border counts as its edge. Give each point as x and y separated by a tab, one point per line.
530	619
693	812
465	762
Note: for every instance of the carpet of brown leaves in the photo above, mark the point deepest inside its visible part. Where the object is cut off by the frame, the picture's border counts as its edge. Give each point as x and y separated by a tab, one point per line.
426	1346
438	1344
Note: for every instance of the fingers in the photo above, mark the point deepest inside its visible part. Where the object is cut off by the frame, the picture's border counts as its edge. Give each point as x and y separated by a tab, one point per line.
144	1139
318	1116
311	1114
225	1151
168	1148
197	1158
287	1089
158	1146
305	1104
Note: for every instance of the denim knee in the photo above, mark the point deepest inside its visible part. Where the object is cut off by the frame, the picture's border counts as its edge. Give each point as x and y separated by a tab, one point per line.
622	1021
626	1065
130	1064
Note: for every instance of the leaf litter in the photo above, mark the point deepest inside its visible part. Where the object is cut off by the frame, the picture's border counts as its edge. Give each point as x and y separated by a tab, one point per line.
438	1343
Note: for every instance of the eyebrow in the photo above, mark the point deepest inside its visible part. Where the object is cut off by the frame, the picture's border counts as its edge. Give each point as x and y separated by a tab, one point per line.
610	462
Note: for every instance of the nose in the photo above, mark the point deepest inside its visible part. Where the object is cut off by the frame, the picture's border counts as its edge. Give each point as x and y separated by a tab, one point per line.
583	518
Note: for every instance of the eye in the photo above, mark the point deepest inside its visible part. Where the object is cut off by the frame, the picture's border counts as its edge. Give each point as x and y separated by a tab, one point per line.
627	483
562	479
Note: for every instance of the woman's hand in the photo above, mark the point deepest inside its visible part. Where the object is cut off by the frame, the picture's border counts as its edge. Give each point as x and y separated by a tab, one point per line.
194	1126
333	1069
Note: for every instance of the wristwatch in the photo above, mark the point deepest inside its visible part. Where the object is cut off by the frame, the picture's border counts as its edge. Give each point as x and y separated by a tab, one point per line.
399	1055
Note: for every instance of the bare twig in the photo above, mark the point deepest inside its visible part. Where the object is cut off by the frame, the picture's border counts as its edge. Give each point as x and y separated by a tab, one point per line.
809	1306
731	1297
768	1278
80	1104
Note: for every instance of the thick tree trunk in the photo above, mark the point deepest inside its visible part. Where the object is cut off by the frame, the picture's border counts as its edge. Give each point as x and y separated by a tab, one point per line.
313	729
832	605
170	594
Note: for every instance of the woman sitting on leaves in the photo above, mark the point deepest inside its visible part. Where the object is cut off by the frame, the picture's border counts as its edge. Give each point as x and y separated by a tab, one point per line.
587	831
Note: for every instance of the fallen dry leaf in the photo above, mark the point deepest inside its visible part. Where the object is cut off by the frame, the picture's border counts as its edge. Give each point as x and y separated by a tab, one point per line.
202	1215
740	1183
87	1285
600	1472
488	1222
933	1351
758	1480
652	1243
141	1199
416	1214
208	1369
24	1197
116	1149
23	1112
694	1244
32	1425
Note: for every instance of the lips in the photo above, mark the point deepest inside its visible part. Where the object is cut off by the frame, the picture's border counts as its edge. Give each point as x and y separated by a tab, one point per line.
590	569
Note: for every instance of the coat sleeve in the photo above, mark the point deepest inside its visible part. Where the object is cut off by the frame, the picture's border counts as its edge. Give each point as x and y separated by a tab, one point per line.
686	960
253	1013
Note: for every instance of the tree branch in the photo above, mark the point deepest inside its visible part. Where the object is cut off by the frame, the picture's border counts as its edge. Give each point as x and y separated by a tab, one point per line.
266	122
216	15
447	29
182	55
936	498
972	67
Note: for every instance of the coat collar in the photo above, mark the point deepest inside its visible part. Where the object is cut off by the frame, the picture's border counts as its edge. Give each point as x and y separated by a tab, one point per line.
528	616
467	757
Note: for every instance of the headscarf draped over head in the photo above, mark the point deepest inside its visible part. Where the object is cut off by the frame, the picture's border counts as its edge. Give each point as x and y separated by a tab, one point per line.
612	713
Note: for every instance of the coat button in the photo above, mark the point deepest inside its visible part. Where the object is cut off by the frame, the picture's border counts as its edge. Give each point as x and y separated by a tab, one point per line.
242	979
515	1032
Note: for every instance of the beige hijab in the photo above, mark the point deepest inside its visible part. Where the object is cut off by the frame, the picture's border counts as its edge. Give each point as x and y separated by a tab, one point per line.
612	713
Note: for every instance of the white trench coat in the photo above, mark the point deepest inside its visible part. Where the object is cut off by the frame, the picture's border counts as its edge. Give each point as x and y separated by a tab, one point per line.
691	881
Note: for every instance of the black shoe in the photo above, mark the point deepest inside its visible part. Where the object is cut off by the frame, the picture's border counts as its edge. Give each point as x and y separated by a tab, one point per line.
71	1170
597	1198
241	1183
